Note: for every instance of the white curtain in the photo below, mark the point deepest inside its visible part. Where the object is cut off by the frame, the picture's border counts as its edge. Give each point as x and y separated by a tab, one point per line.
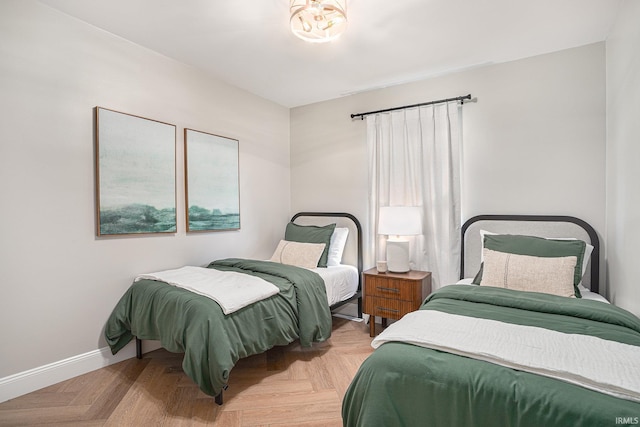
414	160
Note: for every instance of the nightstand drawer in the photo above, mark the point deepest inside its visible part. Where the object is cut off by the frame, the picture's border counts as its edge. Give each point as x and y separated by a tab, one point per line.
388	308
392	288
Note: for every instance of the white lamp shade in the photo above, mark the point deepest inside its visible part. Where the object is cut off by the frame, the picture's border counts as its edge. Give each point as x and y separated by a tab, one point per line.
400	220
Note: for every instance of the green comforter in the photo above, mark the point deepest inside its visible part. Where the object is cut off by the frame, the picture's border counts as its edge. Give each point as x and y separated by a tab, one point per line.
188	323
405	385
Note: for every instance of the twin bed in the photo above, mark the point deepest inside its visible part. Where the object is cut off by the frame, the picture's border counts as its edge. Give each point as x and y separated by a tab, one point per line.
490	355
214	332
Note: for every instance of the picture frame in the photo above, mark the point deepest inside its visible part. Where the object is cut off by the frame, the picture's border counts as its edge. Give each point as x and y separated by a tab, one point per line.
135	166
212	182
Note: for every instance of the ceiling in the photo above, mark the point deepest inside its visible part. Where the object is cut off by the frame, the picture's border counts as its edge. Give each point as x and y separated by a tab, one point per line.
248	43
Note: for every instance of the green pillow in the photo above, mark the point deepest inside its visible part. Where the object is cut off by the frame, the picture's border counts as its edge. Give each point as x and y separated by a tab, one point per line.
311	234
478	278
537	246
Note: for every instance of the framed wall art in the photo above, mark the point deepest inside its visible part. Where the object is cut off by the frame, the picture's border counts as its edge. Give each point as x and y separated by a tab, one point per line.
135	174
211	182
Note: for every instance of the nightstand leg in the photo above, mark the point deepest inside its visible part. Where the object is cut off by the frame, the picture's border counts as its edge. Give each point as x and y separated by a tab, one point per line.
372	326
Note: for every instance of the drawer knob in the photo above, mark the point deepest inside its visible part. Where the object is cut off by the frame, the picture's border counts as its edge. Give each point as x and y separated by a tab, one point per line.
380	288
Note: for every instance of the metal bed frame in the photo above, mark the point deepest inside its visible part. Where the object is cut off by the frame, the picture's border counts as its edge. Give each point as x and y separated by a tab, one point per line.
537	222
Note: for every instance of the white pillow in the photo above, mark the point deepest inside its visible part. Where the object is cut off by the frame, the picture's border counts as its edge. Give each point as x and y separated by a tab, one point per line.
336	246
585	259
305	255
529	273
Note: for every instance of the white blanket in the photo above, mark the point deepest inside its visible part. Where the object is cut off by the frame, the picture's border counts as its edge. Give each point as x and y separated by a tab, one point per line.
606	366
231	290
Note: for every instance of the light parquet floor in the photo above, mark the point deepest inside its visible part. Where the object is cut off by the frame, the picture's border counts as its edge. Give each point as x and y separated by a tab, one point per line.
286	386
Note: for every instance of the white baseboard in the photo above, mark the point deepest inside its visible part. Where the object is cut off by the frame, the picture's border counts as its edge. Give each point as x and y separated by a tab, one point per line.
53	373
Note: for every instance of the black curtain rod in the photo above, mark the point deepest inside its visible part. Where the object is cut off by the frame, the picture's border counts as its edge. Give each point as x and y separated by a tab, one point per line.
440	101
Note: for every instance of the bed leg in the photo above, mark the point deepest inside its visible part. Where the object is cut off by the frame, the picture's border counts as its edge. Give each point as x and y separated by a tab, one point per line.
138	348
219	396
360	308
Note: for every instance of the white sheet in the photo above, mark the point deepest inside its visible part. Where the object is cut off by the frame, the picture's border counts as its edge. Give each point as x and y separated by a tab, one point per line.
231	290
341	282
605	366
587	294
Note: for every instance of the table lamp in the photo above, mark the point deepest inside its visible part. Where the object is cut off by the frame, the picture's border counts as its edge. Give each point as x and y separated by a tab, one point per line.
396	222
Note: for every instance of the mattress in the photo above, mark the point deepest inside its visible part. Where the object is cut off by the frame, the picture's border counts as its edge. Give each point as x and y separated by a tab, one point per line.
341	282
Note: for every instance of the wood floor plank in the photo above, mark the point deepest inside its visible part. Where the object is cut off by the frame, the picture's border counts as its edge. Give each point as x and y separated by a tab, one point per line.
283	387
333	422
229	418
318	373
296	369
90	387
252	389
117	389
204	411
294	414
40	399
29	417
266	400
338	373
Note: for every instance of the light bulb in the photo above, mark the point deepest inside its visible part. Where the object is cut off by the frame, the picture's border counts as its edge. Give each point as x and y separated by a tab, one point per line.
305	24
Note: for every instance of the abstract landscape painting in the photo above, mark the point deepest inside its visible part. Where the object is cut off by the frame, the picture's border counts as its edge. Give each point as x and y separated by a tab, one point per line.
135	174
212	182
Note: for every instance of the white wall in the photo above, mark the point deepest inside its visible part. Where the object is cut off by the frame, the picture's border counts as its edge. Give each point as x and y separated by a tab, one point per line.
534	143
59	282
623	154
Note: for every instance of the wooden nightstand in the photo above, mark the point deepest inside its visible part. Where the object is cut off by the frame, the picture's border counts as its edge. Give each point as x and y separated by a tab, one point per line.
392	295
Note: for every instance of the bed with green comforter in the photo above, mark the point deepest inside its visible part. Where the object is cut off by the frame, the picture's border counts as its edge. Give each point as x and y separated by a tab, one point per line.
402	384
185	322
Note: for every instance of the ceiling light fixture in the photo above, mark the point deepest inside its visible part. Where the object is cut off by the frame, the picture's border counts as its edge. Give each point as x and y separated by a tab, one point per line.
318	21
